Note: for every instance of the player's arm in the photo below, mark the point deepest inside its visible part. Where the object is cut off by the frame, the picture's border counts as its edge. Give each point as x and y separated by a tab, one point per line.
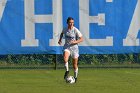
80	37
60	39
77	41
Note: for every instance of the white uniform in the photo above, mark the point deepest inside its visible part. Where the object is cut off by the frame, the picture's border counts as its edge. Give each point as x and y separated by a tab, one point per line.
71	35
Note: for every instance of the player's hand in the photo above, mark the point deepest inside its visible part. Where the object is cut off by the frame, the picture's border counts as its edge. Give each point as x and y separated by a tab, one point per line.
73	42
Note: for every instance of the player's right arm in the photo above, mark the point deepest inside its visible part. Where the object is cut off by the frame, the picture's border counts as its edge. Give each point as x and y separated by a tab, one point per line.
60	39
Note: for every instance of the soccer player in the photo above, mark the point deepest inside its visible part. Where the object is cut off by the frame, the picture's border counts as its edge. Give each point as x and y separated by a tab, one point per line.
72	37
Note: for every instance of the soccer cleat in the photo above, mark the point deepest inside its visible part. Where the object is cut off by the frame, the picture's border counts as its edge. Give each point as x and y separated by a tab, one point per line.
75	80
66	74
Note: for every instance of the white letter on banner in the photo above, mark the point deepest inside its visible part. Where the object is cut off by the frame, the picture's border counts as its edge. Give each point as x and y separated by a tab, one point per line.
131	38
29	24
57	22
2	7
109	0
85	20
31	19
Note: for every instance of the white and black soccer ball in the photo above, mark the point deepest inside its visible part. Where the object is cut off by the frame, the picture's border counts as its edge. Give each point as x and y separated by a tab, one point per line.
70	79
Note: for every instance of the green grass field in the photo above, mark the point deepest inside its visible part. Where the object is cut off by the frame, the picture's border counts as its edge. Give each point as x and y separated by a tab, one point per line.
89	81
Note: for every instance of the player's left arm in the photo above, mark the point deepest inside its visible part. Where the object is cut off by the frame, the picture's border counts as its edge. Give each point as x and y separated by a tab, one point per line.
80	37
79	40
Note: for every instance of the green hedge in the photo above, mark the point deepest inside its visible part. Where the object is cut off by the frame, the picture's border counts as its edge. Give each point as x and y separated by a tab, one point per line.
49	59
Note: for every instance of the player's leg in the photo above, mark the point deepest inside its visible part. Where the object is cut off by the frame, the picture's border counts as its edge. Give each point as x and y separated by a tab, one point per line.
66	58
75	55
75	66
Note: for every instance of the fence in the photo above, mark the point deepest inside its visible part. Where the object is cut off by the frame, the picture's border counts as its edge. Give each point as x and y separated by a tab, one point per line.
47	61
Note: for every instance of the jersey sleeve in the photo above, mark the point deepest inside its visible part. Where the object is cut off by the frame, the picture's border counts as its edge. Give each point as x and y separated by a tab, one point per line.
78	33
64	30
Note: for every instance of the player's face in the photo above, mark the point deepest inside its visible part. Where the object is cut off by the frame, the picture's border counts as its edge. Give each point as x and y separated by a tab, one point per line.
71	23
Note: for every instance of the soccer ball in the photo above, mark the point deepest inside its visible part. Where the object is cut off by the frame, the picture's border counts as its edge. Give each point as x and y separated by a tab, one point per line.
70	79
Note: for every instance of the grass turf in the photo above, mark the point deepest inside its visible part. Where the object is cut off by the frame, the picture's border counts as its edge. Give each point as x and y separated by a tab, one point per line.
89	81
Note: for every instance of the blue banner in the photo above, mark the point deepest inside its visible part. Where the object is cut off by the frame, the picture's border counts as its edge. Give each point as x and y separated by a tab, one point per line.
34	26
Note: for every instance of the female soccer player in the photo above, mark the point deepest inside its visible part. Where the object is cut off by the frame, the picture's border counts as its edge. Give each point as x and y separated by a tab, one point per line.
72	37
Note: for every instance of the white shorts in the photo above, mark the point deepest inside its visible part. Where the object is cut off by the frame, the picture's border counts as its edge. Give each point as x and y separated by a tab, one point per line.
74	54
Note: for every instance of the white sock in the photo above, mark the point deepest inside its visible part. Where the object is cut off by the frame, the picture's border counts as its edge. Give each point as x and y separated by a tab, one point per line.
66	66
76	73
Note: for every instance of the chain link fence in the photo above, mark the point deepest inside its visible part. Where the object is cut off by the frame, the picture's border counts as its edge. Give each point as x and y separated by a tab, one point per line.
49	61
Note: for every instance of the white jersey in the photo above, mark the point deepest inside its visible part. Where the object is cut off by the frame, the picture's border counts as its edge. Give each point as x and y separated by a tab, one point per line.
71	35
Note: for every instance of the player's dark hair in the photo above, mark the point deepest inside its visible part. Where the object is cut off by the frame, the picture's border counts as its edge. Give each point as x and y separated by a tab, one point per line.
69	18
